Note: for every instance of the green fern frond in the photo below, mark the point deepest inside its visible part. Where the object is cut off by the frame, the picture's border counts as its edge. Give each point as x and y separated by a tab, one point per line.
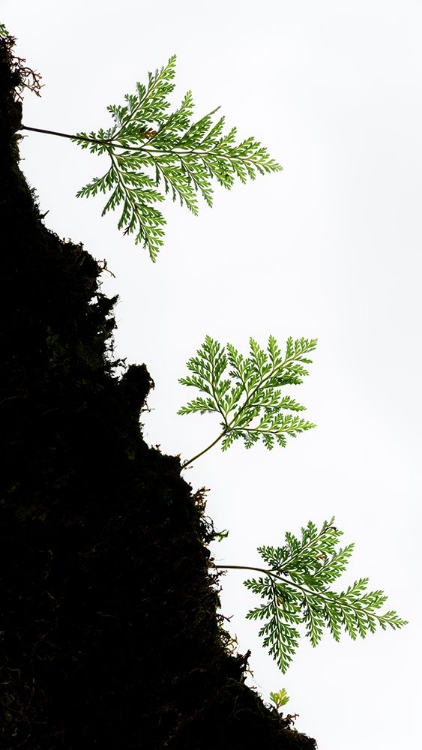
248	397
280	698
295	592
153	154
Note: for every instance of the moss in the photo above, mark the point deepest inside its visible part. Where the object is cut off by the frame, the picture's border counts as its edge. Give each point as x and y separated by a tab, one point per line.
110	635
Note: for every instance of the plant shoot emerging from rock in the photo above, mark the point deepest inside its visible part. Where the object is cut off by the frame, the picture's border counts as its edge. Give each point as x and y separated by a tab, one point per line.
153	153
295	583
249	400
295	589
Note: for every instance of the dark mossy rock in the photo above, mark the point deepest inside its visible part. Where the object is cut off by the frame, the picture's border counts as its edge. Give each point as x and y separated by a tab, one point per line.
109	632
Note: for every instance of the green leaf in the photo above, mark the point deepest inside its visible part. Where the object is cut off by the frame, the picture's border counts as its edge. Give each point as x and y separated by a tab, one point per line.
295	592
153	154
280	698
248	397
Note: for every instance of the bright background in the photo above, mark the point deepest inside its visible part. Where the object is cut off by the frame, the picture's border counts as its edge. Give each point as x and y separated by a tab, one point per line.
329	248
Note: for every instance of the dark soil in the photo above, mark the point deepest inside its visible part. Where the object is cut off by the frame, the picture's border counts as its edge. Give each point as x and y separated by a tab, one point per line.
109	629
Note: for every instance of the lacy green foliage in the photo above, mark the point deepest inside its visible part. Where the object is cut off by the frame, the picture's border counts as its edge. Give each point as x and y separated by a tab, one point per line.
295	589
152	151
3	30
249	401
280	698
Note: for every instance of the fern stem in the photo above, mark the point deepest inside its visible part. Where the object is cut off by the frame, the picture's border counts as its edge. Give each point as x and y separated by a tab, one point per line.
243	567
62	135
144	147
198	455
272	574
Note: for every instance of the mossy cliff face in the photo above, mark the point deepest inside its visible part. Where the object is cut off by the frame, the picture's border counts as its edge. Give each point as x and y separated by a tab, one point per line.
109	629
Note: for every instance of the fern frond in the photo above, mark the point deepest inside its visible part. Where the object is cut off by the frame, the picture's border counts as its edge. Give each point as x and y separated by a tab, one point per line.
151	150
295	592
248	396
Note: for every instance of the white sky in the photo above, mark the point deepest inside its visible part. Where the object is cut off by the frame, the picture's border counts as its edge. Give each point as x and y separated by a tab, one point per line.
329	248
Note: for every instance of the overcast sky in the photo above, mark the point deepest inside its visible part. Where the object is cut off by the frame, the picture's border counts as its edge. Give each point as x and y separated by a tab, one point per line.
328	248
